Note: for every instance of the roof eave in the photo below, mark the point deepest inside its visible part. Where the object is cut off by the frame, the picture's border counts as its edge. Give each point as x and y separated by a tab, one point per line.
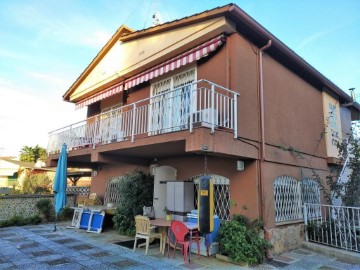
260	36
123	29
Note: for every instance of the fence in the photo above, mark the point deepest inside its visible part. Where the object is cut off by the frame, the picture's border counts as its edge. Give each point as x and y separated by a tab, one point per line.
25	204
336	226
78	190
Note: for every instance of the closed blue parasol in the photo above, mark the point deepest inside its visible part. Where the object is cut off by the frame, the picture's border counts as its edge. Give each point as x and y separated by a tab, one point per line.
60	183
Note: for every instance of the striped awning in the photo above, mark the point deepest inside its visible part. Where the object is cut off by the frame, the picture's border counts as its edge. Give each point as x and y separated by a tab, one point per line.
181	60
115	89
176	62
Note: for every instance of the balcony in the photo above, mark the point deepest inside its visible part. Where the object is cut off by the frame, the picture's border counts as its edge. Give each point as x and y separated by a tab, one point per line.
200	104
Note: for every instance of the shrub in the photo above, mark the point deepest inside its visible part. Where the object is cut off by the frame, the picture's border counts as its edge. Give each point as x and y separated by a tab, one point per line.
46	208
136	190
66	214
19	220
37	184
240	240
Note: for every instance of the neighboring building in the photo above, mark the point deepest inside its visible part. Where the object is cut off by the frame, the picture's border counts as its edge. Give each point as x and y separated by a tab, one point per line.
13	171
8	172
213	93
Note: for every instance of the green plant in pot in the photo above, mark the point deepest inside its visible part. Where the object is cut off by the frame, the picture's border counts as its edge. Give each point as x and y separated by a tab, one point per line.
240	240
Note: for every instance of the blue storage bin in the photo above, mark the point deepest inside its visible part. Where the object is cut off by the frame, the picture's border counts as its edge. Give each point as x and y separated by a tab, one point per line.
213	238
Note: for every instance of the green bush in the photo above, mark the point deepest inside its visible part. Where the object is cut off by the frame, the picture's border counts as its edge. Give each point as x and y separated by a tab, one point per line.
136	190
66	214
37	184
19	220
46	208
240	240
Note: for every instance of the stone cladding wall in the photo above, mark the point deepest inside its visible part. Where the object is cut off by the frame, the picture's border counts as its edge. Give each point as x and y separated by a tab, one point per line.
286	237
25	204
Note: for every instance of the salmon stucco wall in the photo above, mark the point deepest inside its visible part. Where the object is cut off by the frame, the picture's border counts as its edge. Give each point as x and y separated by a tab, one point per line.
243	184
105	171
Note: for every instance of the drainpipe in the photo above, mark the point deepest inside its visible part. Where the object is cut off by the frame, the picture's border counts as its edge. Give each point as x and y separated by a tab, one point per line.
262	135
262	129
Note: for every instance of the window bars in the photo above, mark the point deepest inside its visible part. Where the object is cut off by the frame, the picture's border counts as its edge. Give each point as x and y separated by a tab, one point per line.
289	196
221	195
112	190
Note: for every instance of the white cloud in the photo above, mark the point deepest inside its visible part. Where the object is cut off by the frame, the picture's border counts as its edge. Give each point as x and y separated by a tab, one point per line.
26	119
74	30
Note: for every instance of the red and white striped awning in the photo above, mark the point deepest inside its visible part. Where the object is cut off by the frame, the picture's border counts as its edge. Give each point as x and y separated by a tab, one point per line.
174	63
115	89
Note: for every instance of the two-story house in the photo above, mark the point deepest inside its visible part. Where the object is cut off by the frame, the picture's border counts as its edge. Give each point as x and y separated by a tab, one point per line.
213	93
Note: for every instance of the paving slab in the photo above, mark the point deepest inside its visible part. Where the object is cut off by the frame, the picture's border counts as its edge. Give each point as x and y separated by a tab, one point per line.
39	247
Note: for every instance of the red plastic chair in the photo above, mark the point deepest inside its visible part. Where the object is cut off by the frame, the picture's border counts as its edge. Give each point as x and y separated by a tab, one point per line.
181	235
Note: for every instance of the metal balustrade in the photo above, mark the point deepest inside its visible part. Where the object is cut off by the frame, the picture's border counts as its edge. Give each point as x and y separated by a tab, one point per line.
201	103
336	226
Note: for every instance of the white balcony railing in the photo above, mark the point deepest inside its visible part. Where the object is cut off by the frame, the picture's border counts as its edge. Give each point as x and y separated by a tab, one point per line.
201	103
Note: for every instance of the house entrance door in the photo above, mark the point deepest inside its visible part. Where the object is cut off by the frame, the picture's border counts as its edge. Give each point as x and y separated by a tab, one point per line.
162	174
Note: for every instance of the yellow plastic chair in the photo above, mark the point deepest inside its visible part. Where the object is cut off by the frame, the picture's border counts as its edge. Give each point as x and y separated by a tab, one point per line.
90	201
145	231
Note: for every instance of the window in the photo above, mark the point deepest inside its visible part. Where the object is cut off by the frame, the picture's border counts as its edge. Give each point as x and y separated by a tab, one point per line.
311	194
289	196
221	195
170	105
111	124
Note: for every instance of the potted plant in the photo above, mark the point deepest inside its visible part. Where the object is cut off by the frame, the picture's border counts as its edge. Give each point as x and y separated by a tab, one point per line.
167	213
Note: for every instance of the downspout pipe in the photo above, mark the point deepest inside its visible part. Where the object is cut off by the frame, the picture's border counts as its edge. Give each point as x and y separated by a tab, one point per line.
262	129
262	113
262	135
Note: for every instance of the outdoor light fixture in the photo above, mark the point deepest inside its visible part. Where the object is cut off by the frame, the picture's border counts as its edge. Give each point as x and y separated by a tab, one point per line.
240	165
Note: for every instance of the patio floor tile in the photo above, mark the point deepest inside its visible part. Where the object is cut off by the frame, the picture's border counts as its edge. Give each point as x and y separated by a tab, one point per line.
124	264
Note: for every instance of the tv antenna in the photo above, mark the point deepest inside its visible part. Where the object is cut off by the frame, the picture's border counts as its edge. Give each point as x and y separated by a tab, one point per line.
156	18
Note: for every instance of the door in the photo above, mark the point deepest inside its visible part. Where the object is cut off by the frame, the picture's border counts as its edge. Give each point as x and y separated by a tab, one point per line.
170	105
162	174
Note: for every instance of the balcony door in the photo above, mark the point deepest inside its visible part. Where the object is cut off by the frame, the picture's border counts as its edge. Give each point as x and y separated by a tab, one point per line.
110	124
170	104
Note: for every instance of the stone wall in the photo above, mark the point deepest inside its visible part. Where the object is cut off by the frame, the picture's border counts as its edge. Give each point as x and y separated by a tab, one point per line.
25	204
286	237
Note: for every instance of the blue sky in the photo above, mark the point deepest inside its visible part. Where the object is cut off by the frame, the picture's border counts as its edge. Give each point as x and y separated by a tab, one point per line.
45	45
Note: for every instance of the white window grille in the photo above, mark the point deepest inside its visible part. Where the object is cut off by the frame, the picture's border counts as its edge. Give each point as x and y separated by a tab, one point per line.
310	190
171	108
221	195
112	194
310	193
290	194
287	195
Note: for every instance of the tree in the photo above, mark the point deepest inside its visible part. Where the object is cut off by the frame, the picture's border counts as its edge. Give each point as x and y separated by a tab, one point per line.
348	191
32	154
136	189
37	184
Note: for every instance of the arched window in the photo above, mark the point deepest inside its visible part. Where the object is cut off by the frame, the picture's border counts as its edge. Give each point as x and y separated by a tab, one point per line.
287	195
290	195
221	195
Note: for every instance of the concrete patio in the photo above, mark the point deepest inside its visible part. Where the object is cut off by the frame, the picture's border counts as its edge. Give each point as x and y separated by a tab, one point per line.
39	247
